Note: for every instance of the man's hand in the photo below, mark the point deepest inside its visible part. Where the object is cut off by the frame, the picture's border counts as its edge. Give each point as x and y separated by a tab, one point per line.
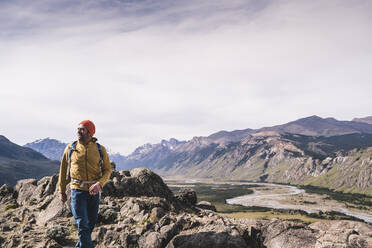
63	197
94	189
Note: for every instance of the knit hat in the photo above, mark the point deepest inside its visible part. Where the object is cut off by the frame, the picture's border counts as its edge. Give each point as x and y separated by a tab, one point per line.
89	125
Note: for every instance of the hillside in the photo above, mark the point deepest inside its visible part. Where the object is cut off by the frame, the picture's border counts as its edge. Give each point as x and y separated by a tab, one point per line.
367	119
17	162
284	158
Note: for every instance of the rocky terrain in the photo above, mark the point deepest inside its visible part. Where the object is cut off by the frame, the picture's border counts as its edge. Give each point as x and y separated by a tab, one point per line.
138	210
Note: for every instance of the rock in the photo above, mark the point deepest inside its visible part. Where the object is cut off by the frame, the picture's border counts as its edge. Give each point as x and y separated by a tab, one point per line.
57	233
54	209
45	187
129	240
187	196
329	233
157	213
25	189
99	234
133	206
111	238
107	215
52	244
150	240
113	166
141	182
210	236
287	234
206	205
12	242
7	194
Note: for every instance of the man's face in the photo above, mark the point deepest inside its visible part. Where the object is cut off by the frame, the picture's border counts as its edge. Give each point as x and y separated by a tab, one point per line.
82	132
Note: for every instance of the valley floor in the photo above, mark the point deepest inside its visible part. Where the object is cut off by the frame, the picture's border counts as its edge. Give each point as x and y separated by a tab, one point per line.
274	196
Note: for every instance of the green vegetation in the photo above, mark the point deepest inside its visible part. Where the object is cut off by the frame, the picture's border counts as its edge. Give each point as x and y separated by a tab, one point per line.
10	206
218	193
357	199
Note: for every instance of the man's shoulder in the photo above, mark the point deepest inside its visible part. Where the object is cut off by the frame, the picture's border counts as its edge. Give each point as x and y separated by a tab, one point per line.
69	145
103	148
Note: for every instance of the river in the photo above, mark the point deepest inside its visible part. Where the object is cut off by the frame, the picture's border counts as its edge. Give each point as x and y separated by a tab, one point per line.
265	199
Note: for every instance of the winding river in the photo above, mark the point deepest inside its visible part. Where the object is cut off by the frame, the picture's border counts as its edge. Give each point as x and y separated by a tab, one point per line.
262	199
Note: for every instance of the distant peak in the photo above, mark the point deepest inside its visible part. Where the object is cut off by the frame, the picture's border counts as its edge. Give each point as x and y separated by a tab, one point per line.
367	119
313	117
3	138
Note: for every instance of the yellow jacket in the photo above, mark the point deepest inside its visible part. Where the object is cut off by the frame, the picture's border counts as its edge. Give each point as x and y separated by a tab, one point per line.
84	166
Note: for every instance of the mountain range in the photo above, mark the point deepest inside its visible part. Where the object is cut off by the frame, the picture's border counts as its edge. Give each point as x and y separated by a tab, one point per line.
313	150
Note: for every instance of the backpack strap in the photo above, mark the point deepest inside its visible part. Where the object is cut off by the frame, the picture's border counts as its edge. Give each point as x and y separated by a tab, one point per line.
100	163
70	151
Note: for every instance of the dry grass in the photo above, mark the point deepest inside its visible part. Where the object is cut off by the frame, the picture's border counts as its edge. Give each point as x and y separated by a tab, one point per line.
271	215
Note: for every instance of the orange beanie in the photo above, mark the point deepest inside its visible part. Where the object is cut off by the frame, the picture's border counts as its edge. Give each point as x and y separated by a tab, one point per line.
89	125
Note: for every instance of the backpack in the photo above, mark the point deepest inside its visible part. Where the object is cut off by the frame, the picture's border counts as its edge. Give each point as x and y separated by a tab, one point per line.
72	149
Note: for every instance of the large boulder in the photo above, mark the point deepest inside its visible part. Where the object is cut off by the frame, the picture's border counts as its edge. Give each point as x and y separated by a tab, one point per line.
215	236
288	234
25	189
7	195
206	205
137	182
46	199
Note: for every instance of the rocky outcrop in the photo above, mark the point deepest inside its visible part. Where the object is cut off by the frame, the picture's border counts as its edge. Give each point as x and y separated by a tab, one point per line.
155	218
136	182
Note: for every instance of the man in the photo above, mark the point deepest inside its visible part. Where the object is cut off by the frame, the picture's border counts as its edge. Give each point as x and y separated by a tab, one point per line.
87	165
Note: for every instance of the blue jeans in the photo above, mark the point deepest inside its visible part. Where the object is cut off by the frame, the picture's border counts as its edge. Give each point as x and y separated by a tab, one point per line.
84	208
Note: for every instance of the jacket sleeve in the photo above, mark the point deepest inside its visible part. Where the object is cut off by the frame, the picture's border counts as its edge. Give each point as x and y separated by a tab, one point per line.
62	182
106	168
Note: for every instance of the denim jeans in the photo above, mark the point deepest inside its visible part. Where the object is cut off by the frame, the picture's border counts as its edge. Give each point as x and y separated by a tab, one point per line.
84	208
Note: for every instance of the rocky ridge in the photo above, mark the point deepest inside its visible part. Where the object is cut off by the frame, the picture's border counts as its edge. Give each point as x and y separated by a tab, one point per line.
137	209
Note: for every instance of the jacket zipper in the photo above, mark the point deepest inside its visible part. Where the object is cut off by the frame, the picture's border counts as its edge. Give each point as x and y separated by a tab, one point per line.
86	161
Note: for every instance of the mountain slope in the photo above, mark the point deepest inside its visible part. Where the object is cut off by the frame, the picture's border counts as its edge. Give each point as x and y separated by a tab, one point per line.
17	162
270	157
367	119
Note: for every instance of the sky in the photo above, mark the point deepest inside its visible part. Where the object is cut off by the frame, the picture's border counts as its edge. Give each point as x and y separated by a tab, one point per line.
144	70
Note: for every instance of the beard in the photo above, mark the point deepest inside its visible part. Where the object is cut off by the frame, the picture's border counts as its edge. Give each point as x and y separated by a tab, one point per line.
83	137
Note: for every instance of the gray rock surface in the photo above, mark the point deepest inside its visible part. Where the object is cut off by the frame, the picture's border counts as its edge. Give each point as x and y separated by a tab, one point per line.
187	196
206	205
137	182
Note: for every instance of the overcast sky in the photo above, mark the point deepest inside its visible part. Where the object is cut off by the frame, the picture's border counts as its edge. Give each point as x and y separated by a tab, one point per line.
150	70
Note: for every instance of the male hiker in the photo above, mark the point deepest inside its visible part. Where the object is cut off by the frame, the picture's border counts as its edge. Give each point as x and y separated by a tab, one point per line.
85	164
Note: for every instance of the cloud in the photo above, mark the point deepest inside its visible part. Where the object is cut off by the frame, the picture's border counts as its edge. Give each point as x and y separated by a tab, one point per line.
147	70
